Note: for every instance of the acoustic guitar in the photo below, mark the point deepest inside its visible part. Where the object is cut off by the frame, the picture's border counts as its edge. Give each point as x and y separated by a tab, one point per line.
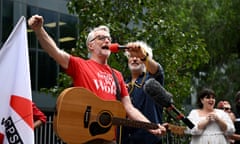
82	117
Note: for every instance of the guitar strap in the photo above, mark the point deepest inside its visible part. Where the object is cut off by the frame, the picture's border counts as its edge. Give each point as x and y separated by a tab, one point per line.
118	95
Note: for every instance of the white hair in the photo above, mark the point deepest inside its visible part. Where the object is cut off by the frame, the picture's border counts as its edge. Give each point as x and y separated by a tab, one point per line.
91	34
143	45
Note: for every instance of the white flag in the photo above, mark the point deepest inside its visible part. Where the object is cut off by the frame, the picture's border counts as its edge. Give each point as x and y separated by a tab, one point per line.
15	89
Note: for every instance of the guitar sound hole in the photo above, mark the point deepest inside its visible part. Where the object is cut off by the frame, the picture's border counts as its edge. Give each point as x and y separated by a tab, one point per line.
105	119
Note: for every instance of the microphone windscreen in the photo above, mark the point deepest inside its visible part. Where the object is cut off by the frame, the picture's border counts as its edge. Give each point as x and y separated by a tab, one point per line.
154	89
188	122
114	47
162	97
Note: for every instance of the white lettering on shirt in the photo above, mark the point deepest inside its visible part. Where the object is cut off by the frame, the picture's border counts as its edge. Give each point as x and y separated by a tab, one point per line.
105	82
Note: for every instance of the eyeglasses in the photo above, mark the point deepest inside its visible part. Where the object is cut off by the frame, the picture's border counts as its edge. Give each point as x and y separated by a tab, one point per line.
102	38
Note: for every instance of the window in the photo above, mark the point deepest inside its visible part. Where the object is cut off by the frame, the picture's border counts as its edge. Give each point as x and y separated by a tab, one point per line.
6	23
62	28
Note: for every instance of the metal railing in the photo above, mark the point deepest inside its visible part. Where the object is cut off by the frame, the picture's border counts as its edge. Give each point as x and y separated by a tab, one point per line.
46	135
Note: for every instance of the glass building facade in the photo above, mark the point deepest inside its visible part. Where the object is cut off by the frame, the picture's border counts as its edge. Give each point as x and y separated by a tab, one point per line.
60	25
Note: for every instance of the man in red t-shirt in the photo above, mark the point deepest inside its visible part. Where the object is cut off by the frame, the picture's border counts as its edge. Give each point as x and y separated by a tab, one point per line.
94	74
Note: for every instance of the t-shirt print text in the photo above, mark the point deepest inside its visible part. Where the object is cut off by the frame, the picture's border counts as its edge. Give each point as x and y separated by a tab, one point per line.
105	82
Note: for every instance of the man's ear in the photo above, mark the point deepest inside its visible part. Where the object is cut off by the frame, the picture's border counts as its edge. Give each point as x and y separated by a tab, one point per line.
90	46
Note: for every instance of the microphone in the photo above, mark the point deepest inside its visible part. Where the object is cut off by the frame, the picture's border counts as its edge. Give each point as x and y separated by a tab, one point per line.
162	97
115	47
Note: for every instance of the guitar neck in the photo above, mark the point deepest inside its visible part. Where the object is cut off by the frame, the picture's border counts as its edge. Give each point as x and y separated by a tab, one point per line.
133	123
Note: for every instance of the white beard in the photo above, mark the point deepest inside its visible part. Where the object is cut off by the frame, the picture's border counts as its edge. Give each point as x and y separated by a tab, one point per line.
135	68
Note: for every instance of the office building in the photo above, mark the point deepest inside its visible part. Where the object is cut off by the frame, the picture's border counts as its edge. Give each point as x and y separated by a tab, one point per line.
62	27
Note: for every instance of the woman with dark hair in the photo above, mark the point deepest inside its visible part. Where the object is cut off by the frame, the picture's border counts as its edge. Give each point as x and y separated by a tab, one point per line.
211	125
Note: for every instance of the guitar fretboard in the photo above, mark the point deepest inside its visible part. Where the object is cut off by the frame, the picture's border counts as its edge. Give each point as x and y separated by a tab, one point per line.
133	123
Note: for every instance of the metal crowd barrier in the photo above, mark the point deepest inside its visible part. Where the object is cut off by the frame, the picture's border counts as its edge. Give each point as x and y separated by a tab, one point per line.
46	135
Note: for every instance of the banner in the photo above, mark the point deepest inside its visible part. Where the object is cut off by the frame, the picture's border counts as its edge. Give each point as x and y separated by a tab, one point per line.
15	89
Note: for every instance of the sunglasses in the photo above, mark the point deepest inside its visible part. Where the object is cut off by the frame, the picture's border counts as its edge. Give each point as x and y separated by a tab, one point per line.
102	38
226	108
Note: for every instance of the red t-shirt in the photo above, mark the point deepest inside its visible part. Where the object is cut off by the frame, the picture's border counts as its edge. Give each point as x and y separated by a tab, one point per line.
96	77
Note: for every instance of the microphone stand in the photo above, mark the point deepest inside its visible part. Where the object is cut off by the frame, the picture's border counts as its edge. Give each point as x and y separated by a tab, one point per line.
179	116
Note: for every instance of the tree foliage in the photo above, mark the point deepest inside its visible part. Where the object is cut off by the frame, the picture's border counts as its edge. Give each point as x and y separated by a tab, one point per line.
196	42
184	35
218	22
176	46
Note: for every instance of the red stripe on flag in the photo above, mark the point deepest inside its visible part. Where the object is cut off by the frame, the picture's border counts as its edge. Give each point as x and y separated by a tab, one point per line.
23	107
1	138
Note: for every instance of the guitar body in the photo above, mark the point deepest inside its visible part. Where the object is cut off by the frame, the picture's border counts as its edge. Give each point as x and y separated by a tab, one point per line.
82	117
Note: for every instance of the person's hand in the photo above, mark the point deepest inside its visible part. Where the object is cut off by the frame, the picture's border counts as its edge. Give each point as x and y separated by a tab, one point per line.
212	117
158	132
37	123
136	49
35	22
